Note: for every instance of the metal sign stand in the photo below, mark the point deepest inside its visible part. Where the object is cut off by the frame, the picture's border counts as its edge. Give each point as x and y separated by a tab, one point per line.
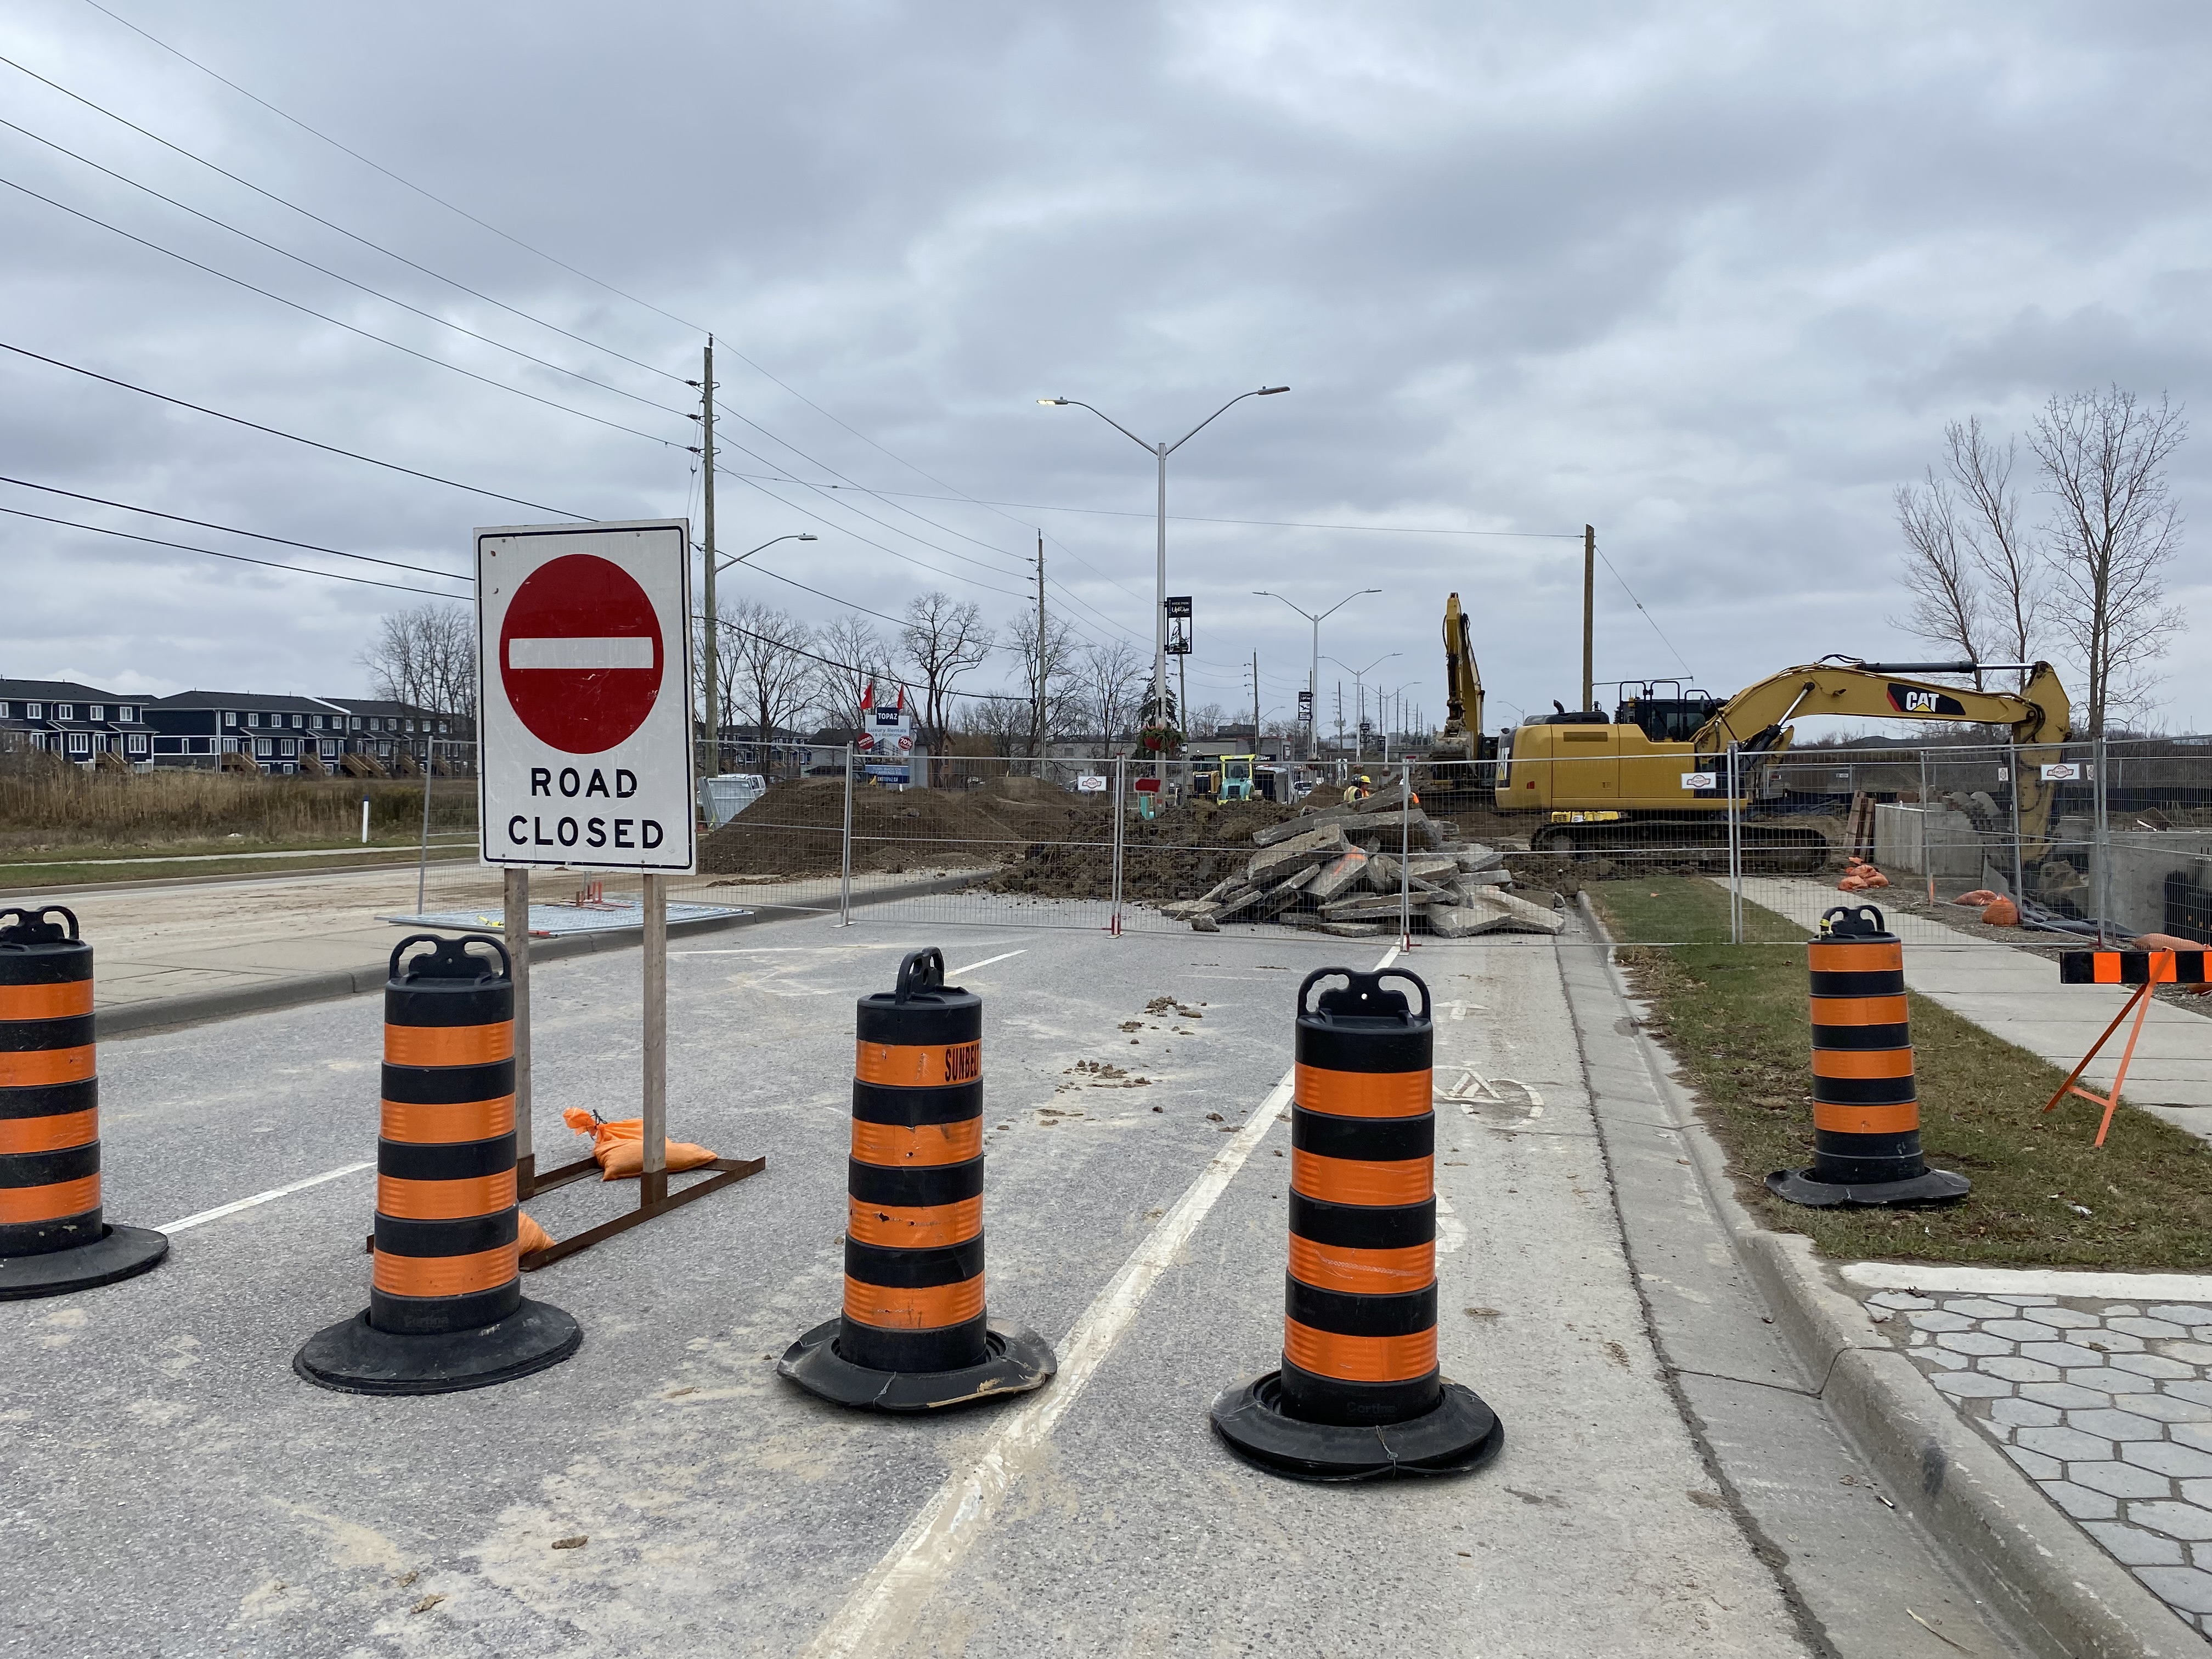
653	1197
576	738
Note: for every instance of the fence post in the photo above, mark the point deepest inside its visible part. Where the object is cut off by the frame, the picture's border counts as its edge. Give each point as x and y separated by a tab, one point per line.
1927	831
2104	843
1734	847
2012	777
1405	855
1120	778
422	863
845	850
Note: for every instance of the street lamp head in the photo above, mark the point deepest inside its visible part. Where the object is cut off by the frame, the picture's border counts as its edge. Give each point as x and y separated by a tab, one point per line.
1270	391
809	536
1054	403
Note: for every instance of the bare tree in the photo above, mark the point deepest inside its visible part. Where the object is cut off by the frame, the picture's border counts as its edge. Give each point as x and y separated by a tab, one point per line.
1207	718
1940	570
1048	673
427	658
942	640
1113	680
770	670
858	656
2007	556
2113	529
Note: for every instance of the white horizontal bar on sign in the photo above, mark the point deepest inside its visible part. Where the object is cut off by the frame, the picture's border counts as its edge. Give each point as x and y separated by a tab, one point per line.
621	650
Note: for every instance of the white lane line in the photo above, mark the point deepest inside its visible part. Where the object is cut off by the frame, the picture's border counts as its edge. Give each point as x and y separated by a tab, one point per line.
884	1605
987	961
222	1210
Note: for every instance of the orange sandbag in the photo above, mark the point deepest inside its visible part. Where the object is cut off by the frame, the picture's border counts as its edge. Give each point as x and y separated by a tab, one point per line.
1875	879
528	1235
2169	942
619	1146
1853	884
2001	911
1980	895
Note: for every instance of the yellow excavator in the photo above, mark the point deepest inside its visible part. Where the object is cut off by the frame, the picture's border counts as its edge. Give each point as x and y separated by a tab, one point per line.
1463	739
1606	783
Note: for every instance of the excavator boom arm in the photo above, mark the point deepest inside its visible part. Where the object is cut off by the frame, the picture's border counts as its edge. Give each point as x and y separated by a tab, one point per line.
1754	717
1462	678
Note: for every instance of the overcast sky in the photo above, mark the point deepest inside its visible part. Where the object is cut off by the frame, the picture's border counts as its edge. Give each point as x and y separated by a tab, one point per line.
1712	278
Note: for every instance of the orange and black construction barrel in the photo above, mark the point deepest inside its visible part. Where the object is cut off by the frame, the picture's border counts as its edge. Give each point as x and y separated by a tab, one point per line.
445	1308
53	1236
2134	967
1866	1103
1360	1395
914	1335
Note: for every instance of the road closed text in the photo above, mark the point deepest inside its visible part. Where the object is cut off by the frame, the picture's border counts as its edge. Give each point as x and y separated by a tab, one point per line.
532	830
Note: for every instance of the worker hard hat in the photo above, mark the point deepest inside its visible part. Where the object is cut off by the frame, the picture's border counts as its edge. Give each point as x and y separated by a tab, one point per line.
1363	778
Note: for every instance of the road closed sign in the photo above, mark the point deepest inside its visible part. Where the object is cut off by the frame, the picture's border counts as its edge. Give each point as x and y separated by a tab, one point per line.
584	655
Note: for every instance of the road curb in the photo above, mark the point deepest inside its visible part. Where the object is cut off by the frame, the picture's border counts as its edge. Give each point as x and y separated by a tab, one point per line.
2001	1532
297	991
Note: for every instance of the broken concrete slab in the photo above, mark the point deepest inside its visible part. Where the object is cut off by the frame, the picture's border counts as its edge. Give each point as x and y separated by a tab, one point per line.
1361	907
1458	921
1329	880
1272	864
1474	858
1204	924
1515	915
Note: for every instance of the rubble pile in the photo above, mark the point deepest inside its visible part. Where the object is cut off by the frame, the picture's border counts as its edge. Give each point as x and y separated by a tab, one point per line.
1177	854
1336	871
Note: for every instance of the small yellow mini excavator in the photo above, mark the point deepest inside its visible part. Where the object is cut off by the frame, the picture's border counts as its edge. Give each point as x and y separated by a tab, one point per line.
1605	784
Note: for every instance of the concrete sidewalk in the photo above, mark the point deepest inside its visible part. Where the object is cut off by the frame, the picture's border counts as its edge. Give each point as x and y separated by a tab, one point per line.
2015	994
249	943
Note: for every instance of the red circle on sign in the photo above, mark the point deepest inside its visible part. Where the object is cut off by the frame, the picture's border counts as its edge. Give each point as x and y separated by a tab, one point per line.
580	654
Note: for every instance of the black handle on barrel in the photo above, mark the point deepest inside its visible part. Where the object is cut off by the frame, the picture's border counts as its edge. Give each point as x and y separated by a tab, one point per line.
1853	920
1362	987
34	926
922	970
450	959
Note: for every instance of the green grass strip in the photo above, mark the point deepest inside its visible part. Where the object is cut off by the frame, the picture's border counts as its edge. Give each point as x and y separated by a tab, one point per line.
1734	1018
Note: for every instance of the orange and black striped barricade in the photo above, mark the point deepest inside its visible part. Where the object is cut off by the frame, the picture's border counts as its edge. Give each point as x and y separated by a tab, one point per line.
2144	969
1866	1103
1360	1395
53	1237
914	1335
445	1308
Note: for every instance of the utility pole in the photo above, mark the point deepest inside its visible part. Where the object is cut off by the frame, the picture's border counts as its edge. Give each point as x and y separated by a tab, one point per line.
1037	730
1256	703
1590	607
712	654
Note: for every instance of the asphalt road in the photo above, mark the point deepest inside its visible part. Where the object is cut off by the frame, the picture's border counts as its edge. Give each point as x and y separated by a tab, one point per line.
171	1488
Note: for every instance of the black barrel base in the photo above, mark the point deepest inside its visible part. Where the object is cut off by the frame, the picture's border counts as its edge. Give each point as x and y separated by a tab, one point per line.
353	1357
117	1253
1458	1437
1015	1361
1931	1187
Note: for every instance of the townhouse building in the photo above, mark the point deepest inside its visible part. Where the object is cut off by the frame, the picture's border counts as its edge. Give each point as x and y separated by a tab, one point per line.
79	722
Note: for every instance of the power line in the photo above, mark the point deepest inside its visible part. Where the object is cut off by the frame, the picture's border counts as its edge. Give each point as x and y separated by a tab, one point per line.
277	432
232	529
339	277
239	558
330	224
423	357
1267	524
1647	616
409	183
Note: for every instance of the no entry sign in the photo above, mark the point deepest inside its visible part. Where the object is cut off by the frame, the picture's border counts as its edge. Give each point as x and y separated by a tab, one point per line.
585	662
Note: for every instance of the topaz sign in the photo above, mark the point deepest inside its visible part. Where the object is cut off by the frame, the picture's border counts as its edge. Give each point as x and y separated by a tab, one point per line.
584	656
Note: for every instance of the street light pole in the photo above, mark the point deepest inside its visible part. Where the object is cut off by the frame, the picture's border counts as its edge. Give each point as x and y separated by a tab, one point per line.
1313	672
1359	699
714	567
1161	452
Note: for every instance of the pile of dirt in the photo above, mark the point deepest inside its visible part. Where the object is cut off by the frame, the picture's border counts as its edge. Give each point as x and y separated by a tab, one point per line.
796	828
1177	856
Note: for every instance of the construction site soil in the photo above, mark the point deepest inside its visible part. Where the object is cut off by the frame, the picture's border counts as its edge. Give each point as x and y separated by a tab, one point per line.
1052	844
1046	843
